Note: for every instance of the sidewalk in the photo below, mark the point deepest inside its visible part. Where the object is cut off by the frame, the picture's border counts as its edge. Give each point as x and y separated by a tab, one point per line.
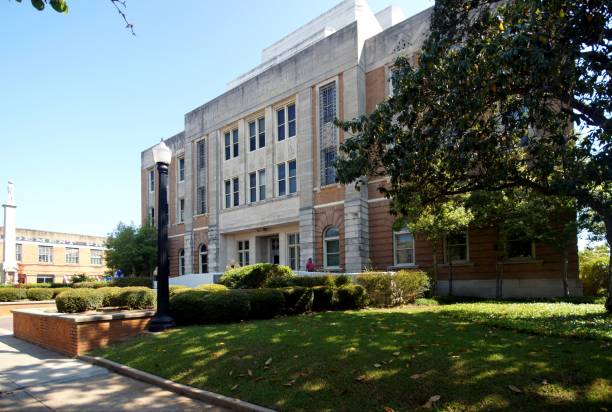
35	379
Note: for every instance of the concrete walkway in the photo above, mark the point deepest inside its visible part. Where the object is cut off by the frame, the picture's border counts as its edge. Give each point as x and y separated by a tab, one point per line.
35	379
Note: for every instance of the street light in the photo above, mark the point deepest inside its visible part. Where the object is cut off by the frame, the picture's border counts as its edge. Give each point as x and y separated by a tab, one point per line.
162	155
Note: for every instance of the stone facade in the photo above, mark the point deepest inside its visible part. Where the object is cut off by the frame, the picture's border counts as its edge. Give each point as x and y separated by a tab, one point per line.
240	151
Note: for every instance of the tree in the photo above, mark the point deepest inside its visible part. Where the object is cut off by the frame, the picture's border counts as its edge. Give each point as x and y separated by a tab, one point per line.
132	249
435	222
491	106
593	269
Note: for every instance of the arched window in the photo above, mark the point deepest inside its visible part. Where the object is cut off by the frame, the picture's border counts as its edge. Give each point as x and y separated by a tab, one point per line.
203	258
181	262
331	248
403	244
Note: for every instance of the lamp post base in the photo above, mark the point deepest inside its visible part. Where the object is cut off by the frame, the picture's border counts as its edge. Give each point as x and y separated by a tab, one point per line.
159	323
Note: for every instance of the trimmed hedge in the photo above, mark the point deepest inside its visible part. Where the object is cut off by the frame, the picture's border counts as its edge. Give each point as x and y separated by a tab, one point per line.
213	287
312	281
39	293
12	294
174	289
90	285
135	297
342	280
393	289
109	295
202	307
78	300
132	281
265	303
325	298
255	276
292	295
352	297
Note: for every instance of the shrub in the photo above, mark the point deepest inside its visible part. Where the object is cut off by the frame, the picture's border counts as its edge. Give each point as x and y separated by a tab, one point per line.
213	287
265	303
57	291
132	281
342	280
292	295
174	289
39	293
82	277
109	295
90	285
78	300
594	270
55	285
306	302
201	307
135	297
608	304
311	281
325	298
35	285
352	297
10	294
255	276
387	289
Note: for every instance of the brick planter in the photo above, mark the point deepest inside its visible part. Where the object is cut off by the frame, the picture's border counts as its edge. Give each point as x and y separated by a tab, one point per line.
75	334
7	307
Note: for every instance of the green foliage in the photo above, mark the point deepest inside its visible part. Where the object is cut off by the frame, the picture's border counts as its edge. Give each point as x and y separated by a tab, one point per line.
265	303
351	297
594	267
305	303
90	285
132	281
35	285
78	300
324	298
387	289
311	281
39	293
82	277
213	287
132	249
135	297
12	294
109	295
202	307
255	276
59	285
174	289
292	295
342	280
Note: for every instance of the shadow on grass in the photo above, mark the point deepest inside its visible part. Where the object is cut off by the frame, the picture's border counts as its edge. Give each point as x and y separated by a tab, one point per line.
370	359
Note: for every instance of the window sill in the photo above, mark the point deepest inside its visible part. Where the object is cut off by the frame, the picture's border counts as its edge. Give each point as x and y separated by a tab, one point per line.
406	266
456	264
519	261
200	214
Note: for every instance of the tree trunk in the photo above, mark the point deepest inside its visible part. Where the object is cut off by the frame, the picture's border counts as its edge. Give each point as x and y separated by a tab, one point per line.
435	272
450	272
608	223
566	291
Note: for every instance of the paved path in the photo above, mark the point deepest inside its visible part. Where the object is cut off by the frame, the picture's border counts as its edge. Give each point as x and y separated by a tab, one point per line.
35	379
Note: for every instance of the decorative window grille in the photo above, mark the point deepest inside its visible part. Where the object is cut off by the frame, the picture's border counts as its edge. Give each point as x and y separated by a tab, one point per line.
328	137
201	200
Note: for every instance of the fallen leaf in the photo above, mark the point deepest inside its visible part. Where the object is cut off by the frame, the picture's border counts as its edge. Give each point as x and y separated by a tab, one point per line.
387	409
234	387
269	361
431	401
416	376
250	372
295	356
231	372
396	353
514	389
377	365
290	383
360	378
544	382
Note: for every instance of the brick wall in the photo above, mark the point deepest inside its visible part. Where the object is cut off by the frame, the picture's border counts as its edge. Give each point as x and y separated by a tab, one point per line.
325	217
71	335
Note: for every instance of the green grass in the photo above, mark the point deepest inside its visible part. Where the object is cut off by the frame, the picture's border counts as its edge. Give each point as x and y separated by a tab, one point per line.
372	359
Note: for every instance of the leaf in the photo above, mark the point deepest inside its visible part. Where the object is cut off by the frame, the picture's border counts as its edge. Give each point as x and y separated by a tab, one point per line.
59	6
269	361
514	389
396	353
416	376
231	372
377	365
431	401
234	387
544	382
290	383
250	372
360	378
389	409
38	4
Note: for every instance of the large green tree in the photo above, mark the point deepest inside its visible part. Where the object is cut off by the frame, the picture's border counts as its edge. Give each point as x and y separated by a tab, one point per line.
508	95
132	249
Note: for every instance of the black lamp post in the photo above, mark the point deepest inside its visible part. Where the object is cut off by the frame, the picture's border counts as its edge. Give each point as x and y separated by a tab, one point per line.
162	155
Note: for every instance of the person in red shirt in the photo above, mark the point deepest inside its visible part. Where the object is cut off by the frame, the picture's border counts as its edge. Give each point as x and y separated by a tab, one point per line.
310	265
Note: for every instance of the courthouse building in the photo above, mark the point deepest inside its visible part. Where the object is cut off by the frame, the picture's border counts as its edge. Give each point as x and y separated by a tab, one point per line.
252	177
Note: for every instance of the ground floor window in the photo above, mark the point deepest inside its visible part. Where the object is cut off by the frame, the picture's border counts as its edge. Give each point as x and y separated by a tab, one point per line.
457	247
519	246
203	259
331	248
243	253
44	278
403	244
293	242
96	257
181	262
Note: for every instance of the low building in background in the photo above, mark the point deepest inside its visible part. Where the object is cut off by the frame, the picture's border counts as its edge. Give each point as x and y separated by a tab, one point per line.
47	257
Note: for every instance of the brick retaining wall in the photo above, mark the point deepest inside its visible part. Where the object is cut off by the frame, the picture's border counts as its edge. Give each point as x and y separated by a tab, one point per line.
76	334
7	307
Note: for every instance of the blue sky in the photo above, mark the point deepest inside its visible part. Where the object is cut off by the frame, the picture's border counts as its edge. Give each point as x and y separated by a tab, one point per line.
80	98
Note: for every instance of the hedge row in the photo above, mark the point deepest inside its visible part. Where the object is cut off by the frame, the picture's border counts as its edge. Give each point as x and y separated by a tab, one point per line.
202	306
393	289
84	299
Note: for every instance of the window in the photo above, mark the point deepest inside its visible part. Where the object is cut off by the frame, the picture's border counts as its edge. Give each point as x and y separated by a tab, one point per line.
243	252
228	146
282	181
96	257
262	184
44	278
151	180
293	242
45	254
457	247
403	243
152	216
292	177
236	188
181	215
519	246
72	255
331	247
392	76
181	169
328	138
285	122
181	262
235	142
201	207
203	258
201	151
253	187
257	134
228	194
18	252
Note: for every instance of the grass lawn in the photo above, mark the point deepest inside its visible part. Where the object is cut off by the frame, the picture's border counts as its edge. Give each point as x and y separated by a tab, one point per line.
398	358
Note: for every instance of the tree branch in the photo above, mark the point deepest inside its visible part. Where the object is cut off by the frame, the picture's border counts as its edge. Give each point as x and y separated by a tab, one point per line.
117	4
